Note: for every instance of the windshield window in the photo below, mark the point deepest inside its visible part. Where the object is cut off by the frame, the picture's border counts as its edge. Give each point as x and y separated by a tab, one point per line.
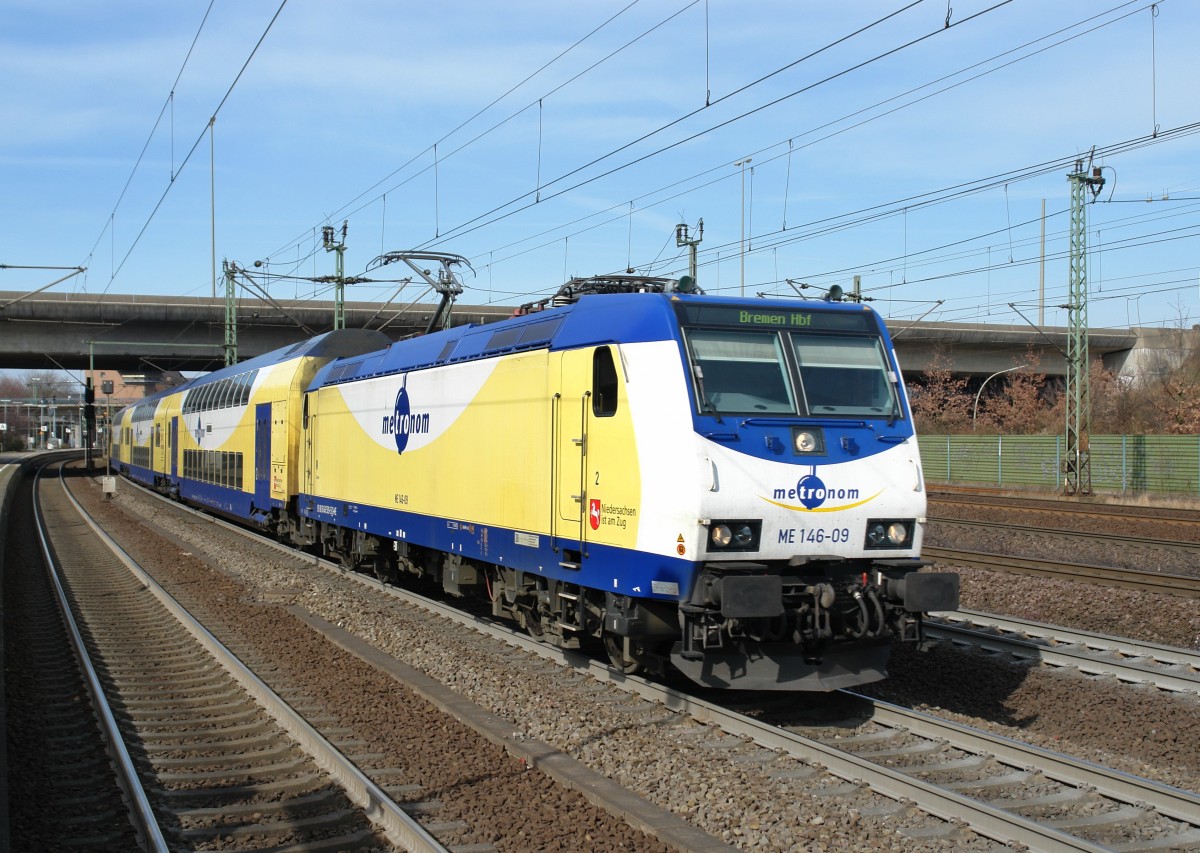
740	372
844	375
745	372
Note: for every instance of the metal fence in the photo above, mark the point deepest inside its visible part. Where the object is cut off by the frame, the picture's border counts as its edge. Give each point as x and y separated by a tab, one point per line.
1125	464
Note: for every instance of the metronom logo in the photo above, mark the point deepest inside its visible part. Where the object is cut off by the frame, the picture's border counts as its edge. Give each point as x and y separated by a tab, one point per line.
814	495
403	422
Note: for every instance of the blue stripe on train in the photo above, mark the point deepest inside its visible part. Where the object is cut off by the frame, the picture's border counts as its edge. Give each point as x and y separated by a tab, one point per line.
224	499
603	567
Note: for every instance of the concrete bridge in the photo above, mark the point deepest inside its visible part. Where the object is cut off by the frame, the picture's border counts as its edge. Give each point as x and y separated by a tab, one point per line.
139	334
136	333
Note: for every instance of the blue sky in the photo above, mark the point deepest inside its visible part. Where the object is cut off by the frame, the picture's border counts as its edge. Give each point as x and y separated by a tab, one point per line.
571	139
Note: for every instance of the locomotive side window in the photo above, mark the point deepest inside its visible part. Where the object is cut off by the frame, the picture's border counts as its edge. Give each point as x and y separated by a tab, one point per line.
845	375
740	372
604	383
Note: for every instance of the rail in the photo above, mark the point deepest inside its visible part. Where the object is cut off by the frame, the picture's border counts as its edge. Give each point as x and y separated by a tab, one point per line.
400	828
1127	660
141	812
1184	586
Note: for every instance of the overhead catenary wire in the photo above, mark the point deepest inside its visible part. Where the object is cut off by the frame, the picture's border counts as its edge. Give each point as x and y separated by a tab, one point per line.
342	211
491	252
759	241
763	158
474	224
196	144
857	218
154	129
943	195
345	210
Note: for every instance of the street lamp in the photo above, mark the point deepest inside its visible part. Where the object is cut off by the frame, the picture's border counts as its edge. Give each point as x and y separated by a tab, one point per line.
2	442
975	409
742	250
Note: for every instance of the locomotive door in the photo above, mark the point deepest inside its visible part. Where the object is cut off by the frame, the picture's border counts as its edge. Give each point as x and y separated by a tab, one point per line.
594	495
309	426
569	442
262	455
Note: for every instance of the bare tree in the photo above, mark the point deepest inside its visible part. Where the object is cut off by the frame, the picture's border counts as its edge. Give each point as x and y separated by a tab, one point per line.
1024	403
940	400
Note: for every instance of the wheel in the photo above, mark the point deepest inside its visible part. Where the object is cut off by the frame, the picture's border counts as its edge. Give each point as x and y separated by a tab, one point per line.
532	622
384	570
615	646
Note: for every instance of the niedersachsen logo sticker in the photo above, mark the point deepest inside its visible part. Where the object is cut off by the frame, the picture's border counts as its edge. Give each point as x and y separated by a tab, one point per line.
814	495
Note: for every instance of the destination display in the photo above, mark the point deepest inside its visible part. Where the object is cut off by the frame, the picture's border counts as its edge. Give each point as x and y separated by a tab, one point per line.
739	316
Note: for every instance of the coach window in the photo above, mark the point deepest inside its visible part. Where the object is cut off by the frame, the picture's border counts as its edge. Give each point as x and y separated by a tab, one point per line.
604	383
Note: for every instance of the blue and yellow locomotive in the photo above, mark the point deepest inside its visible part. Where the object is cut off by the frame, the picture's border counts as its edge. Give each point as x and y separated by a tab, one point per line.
728	487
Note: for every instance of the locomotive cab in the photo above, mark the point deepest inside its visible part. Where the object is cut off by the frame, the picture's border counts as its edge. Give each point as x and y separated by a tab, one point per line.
801	415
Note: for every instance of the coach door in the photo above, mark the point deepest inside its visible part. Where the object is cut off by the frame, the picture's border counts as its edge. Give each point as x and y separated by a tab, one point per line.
173	438
160	449
262	455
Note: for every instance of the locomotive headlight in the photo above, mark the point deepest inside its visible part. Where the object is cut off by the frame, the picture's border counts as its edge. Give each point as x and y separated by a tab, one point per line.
886	533
807	441
740	535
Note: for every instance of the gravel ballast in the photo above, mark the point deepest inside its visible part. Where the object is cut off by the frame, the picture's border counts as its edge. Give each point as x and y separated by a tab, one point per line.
732	791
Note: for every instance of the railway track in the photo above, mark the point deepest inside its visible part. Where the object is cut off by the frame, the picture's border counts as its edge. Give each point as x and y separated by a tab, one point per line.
1186	521
1107	538
1038	797
55	746
210	754
1185	586
963	776
407	722
986	783
1164	667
